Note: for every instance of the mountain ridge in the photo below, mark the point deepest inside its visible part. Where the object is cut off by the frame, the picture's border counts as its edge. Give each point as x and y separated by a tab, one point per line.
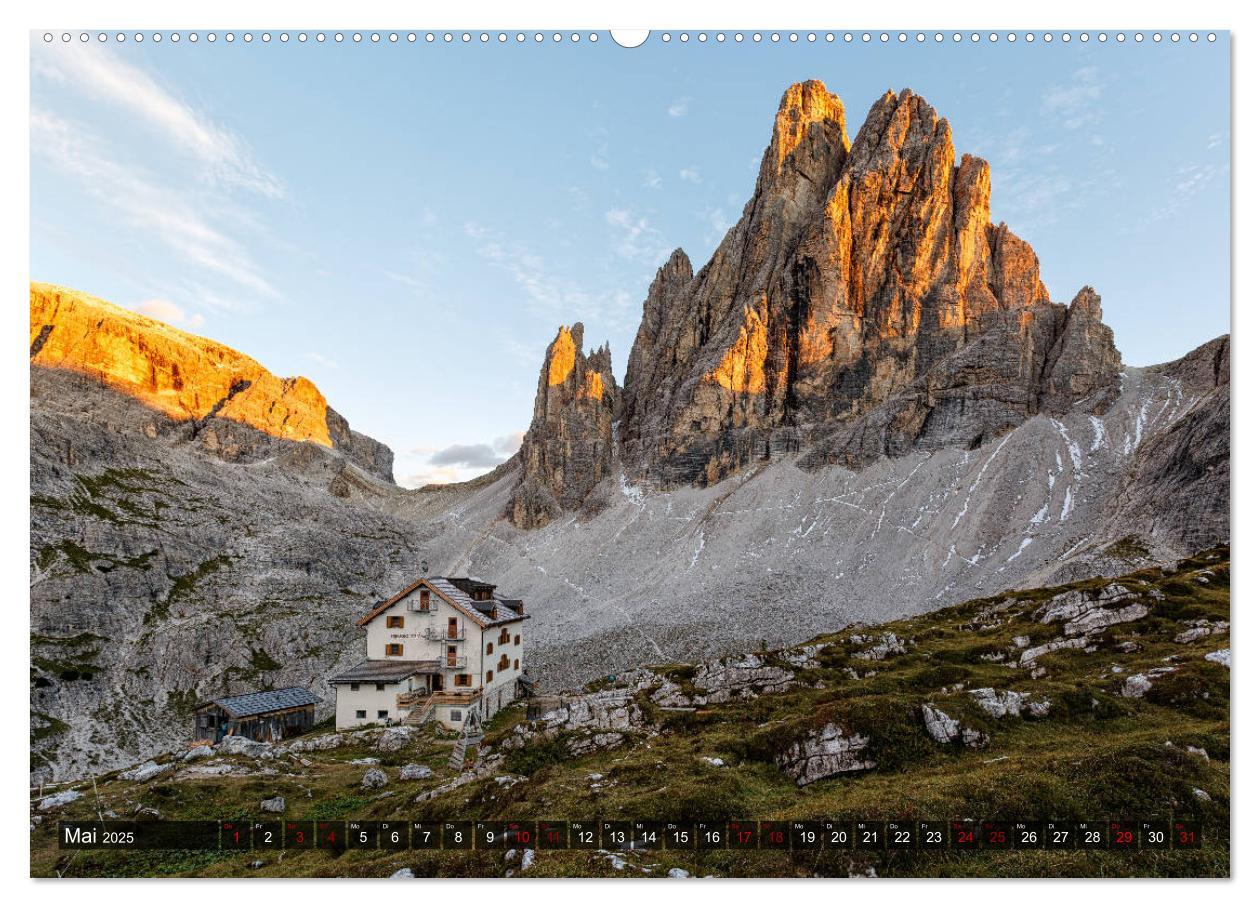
863	306
190	379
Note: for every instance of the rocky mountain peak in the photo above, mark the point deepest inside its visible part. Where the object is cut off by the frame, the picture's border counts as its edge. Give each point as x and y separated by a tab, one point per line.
855	272
808	141
568	449
229	403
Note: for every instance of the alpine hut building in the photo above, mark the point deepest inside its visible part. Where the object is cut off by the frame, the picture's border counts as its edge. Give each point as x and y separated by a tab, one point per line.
265	715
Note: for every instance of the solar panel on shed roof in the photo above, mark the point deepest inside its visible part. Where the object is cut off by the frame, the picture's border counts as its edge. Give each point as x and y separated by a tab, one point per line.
267	701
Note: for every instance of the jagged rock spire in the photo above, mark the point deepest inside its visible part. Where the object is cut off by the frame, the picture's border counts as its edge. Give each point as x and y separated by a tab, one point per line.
568	449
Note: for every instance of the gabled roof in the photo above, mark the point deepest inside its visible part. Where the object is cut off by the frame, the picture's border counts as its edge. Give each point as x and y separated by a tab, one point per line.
264	701
484	613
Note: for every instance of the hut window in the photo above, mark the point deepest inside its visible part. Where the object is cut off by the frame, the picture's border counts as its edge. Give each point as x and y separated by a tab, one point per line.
360	713
463	680
489	676
457	715
424	600
382	714
516	663
380	685
517	640
489	648
354	685
393	649
394	621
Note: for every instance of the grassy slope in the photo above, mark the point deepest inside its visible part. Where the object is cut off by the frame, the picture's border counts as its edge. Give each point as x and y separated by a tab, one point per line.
1096	756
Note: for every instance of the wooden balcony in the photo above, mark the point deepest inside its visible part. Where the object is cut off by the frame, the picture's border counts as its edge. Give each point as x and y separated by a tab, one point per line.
456	697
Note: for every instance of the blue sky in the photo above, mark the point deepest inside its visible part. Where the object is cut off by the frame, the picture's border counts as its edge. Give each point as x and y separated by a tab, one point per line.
408	224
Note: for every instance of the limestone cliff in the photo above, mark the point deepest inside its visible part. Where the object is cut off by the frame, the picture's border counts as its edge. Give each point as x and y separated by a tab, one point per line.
864	303
568	449
1176	493
204	387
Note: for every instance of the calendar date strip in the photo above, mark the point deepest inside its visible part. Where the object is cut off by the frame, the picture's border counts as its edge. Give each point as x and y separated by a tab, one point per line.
628	835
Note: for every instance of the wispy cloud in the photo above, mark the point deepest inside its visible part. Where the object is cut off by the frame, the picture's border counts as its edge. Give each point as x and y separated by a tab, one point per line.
169	216
323	360
165	311
679	108
690	174
1189	180
717	223
1075	103
652	180
98	73
635	238
548	294
599	160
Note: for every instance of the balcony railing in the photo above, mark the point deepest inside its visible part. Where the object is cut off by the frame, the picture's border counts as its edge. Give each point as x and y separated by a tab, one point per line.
456	698
454	662
453	635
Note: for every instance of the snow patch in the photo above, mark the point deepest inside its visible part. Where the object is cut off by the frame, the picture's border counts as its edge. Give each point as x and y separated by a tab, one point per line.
1023	545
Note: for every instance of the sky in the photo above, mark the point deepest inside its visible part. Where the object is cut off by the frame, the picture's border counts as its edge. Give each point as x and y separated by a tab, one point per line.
408	224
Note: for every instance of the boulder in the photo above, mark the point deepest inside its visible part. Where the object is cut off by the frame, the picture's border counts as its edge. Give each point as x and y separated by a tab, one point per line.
1071	604
677	873
1000	704
973	738
144	772
395	738
402	874
940	727
196	753
591	743
60	799
888	645
374	778
272	805
1200	629
1220	657
329	741
739	678
414	771
1135	687
235	744
1030	655
824	752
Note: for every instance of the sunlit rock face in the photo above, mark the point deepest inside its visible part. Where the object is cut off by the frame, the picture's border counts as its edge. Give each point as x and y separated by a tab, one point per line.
568	449
863	304
207	387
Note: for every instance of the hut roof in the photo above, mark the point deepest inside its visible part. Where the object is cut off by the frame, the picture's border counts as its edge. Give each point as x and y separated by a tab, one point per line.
264	701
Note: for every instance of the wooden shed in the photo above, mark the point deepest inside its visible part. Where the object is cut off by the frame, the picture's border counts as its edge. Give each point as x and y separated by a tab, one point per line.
265	715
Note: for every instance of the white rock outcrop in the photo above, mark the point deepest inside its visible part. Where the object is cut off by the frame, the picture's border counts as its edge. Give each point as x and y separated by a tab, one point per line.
1220	657
828	751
